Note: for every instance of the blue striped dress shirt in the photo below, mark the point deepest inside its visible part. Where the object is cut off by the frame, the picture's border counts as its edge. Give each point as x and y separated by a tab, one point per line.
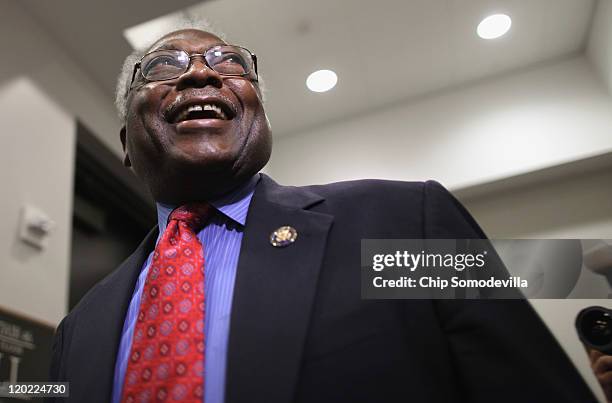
221	238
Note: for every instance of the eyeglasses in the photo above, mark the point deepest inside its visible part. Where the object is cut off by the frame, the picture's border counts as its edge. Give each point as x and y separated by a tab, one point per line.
227	60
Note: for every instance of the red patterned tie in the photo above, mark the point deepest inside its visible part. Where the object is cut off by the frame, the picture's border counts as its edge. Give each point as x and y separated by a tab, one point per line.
166	360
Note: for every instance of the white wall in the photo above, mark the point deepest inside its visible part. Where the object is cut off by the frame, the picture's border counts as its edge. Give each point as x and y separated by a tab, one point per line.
42	91
29	50
578	206
494	129
599	48
36	167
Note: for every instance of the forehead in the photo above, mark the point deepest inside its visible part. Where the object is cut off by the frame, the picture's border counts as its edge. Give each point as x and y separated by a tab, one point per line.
190	40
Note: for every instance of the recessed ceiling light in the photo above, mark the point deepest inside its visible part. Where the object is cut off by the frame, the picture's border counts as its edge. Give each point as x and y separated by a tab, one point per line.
321	81
494	26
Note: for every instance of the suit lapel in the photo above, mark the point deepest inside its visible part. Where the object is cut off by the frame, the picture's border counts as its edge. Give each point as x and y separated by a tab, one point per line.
94	349
273	294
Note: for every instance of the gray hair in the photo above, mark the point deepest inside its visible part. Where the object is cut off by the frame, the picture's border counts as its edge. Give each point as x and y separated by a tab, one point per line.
123	80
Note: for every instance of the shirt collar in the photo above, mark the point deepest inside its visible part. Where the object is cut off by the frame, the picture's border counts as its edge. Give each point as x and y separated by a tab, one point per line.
234	205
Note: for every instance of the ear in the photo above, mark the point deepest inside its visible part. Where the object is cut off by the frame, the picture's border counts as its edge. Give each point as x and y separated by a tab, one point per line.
126	157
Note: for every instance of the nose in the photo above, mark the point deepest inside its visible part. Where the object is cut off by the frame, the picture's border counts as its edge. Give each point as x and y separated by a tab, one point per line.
199	75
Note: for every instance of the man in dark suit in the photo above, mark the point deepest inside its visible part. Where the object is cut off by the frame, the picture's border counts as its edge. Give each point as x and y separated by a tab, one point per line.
195	130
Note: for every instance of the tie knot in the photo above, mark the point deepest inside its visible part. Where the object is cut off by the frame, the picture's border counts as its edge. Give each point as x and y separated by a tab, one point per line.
195	215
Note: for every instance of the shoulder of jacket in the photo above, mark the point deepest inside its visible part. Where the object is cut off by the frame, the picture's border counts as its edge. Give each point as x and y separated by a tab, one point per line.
369	186
379	188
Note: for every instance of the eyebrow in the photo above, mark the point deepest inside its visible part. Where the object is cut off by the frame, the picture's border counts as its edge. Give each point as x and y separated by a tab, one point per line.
175	47
166	47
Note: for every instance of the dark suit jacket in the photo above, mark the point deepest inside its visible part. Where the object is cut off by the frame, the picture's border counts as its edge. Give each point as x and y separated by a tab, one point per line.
300	331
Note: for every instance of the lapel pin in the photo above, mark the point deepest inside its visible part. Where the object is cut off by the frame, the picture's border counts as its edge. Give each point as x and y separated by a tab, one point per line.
283	236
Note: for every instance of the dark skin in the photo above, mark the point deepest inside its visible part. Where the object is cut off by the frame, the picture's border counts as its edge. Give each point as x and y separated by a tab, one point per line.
200	159
601	364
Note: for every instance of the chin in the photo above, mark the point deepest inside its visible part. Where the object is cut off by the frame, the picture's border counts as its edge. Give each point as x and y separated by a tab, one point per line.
205	156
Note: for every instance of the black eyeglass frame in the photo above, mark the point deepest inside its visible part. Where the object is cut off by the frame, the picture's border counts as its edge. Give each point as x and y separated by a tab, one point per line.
190	56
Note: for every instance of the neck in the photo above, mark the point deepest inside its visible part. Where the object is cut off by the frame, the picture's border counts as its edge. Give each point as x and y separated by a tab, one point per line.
188	190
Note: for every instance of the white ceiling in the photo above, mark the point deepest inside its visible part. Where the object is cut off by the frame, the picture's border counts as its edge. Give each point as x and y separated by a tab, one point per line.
384	52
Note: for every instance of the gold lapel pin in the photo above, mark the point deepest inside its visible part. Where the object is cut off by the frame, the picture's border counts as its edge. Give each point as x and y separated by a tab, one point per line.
283	236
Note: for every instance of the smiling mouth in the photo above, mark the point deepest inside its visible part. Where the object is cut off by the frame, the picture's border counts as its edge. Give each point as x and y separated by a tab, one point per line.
201	111
199	108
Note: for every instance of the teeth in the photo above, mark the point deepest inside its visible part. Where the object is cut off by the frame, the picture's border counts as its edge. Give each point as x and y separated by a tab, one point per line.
203	107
